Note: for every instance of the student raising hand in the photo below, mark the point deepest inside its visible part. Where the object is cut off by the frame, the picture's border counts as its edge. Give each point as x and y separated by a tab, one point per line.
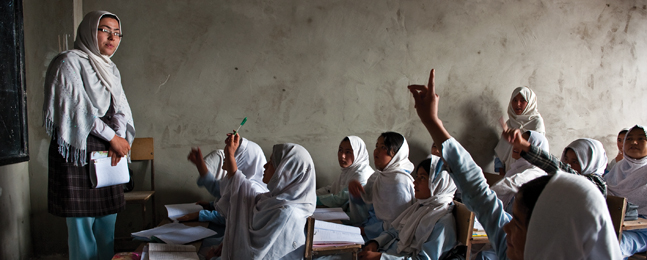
195	156
427	101
232	142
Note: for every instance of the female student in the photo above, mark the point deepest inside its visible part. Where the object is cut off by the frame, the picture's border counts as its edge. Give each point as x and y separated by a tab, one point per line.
619	142
629	179
250	159
543	225
521	171
86	110
268	225
425	230
586	156
353	160
390	188
523	114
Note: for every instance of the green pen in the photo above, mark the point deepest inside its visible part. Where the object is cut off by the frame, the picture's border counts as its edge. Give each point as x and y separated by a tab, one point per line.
241	124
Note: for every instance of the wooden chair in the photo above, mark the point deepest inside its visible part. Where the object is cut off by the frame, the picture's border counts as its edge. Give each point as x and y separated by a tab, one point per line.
464	226
492	178
143	150
617	207
328	250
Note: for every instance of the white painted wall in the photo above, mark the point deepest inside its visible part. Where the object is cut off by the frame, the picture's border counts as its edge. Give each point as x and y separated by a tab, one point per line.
312	72
15	237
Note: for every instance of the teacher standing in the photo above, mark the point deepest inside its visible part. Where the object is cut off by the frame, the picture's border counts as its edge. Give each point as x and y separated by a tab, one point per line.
86	110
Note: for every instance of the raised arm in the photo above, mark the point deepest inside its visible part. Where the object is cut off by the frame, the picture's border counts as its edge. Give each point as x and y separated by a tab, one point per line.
427	107
195	156
232	142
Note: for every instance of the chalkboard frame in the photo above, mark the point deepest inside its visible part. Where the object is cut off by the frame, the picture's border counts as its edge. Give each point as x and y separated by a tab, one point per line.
12	16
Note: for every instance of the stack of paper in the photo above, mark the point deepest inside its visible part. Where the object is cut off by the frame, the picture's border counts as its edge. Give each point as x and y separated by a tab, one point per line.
174	233
328	214
170	252
332	233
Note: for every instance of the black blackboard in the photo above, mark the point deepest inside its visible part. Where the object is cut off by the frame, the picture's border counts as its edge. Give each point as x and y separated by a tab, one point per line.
13	97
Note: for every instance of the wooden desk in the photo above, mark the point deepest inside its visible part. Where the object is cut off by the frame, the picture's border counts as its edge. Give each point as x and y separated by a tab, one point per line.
197	244
634	224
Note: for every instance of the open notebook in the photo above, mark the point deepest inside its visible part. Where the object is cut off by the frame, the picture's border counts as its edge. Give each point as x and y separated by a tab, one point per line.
327	233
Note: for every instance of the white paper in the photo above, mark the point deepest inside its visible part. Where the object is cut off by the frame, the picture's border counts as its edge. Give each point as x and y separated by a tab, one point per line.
171	252
478	226
330	214
187	235
332	233
171	227
175	233
102	172
178	210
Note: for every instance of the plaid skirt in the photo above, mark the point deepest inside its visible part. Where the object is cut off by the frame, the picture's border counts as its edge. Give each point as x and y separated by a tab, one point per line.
70	192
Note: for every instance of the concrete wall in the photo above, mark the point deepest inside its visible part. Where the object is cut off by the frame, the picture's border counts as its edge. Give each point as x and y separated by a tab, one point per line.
312	72
15	237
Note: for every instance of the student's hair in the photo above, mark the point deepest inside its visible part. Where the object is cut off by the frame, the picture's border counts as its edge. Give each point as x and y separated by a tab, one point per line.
425	164
623	132
345	139
109	16
529	193
393	141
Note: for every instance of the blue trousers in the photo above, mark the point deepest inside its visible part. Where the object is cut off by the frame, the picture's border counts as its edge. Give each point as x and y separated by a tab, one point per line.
633	241
91	237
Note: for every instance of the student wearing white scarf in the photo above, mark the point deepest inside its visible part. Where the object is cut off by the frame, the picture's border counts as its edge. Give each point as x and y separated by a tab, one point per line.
84	110
628	179
269	225
619	142
390	188
586	156
425	230
523	114
521	171
544	225
353	160
249	157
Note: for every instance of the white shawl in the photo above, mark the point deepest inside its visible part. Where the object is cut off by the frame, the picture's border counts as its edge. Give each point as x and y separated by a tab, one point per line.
520	172
391	190
590	154
359	170
270	225
628	179
571	221
75	96
530	119
417	222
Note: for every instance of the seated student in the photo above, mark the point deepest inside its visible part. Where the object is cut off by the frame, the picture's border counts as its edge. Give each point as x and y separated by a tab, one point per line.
353	159
520	172
629	179
250	159
585	157
523	114
267	225
619	141
544	224
390	188
425	230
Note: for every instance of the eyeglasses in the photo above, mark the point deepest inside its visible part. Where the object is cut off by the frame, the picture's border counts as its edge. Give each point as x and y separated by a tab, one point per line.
115	34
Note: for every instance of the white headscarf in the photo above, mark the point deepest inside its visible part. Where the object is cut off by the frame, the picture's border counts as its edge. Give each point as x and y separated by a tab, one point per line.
628	179
530	119
417	222
214	162
250	160
391	190
66	87
571	221
519	165
590	154
359	170
270	225
520	172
